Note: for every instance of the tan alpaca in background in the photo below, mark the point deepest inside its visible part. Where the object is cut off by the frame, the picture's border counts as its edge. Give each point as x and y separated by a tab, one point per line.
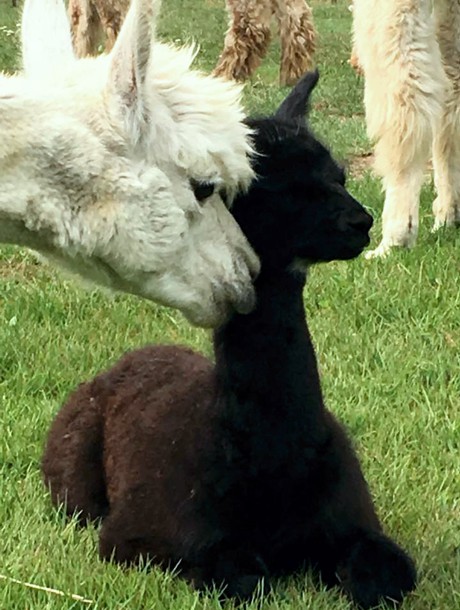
90	19
246	41
249	34
410	54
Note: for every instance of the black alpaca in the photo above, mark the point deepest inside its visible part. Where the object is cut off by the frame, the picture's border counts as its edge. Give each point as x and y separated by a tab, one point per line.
238	472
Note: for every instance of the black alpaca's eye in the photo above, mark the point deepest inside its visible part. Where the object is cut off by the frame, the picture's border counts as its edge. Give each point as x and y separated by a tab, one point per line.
202	190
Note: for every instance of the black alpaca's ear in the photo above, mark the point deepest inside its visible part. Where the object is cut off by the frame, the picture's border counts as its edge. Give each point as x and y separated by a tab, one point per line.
296	105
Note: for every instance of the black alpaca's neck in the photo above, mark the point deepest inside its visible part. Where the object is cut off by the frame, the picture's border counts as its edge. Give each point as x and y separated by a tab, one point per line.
265	361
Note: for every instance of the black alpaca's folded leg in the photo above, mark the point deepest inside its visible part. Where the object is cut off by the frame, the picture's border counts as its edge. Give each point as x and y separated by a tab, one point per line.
237	572
353	550
127	541
377	569
72	463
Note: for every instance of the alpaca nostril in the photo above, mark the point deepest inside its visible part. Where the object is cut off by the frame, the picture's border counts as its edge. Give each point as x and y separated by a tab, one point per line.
370	221
361	222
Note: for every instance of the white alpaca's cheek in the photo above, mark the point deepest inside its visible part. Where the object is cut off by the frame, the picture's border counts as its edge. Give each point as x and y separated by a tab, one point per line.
213	246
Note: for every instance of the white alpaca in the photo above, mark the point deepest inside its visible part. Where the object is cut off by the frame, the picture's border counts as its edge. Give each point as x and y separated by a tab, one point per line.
410	54
103	162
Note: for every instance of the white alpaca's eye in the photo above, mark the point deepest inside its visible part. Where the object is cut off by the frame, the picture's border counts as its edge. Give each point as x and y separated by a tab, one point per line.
202	190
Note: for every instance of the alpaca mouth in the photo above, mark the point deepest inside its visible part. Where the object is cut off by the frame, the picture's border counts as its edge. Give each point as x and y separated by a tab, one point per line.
359	242
354	243
240	299
363	238
220	310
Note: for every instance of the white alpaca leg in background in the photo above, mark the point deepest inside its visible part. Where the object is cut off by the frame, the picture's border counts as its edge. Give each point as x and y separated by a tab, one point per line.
446	148
405	87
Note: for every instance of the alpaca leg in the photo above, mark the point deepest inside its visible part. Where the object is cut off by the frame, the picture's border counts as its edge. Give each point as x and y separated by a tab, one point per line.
126	540
238	572
376	569
111	36
404	95
402	193
111	17
85	25
247	39
355	555
367	564
123	539
298	38
72	463
446	147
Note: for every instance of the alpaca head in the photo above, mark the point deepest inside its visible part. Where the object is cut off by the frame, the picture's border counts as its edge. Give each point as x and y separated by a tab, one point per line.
298	208
112	166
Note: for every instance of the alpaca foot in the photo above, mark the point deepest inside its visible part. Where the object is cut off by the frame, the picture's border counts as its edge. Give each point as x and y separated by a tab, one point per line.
96	511
126	548
381	251
384	249
241	587
386	245
401	232
445	216
377	570
238	573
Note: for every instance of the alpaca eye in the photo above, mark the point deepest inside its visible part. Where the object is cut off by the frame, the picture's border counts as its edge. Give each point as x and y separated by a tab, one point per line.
202	190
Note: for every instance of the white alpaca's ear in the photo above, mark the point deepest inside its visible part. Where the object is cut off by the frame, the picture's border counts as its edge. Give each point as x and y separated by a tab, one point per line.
130	60
46	38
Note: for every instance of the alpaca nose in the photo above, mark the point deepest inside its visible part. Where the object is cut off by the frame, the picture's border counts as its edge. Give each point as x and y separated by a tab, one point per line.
361	221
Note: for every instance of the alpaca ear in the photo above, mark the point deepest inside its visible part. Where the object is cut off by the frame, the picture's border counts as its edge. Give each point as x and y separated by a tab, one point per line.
130	60
296	104
45	37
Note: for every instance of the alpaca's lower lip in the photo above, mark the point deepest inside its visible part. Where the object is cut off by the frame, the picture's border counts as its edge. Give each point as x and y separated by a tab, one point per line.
363	239
355	246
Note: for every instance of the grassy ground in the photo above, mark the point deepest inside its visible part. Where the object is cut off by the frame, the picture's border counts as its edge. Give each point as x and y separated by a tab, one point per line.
388	341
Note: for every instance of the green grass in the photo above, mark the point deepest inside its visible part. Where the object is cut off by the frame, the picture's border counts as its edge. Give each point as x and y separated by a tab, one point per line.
388	342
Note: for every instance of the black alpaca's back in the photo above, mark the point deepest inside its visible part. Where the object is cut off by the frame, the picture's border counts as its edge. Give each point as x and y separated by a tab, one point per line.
238	471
